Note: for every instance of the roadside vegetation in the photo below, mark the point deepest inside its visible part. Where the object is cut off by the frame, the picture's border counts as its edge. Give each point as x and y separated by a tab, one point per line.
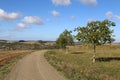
8	59
65	38
94	58
77	64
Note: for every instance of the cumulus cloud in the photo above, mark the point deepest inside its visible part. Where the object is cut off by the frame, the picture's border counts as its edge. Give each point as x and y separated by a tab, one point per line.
55	13
61	2
4	16
21	26
33	20
109	14
73	17
89	2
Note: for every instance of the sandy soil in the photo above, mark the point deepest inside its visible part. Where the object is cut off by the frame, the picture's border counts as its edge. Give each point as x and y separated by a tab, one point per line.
34	67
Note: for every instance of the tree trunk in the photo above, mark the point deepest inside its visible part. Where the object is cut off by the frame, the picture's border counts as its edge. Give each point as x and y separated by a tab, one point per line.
67	49
94	56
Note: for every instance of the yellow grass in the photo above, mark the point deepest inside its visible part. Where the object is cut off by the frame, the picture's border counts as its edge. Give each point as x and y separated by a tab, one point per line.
77	64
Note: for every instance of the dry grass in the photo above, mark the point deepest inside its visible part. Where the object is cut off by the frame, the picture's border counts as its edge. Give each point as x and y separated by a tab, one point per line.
9	54
30	42
77	64
8	58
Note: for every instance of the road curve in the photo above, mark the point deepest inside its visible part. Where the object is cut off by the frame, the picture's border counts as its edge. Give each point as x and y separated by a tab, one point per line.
34	67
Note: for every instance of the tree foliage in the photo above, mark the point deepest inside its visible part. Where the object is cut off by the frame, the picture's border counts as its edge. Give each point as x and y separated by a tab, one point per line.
96	33
64	39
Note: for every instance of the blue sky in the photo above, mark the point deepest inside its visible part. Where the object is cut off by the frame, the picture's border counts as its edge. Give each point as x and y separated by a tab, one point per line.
46	19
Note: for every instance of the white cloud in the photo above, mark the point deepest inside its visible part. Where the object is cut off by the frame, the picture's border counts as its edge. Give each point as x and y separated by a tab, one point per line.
55	13
61	2
117	17
89	2
109	14
73	17
33	20
21	26
4	16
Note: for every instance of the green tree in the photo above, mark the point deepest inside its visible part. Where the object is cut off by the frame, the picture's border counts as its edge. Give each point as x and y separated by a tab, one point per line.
65	39
96	33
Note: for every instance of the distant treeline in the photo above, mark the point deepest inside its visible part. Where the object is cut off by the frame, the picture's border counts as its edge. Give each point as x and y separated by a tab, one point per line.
22	46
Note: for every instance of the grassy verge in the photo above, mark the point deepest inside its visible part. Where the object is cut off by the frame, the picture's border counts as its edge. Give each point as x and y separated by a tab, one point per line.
7	66
77	64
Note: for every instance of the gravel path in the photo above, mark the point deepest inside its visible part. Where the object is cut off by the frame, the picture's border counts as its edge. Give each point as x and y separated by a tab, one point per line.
34	67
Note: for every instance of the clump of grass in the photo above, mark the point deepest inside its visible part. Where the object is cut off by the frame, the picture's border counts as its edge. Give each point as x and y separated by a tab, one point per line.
79	66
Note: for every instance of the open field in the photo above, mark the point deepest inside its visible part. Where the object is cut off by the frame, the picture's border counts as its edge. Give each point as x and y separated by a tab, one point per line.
77	64
8	58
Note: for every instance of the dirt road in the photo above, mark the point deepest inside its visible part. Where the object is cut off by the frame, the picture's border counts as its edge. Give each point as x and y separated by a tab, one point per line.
34	67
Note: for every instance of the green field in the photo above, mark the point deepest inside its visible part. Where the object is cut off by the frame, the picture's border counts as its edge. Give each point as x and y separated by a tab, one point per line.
77	64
